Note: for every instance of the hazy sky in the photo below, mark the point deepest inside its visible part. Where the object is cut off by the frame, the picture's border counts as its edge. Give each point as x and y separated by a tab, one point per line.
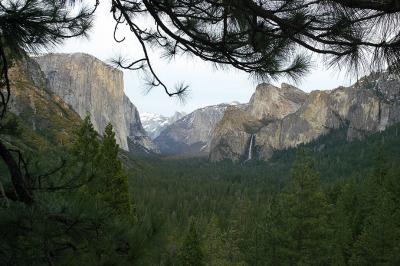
208	85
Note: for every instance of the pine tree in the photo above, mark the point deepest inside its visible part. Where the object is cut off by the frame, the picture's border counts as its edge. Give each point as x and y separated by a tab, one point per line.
261	37
86	144
305	216
215	244
67	224
113	185
346	223
272	234
379	242
236	234
28	27
190	253
100	168
84	152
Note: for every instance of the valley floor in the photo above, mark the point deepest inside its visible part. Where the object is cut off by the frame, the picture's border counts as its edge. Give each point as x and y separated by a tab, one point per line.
324	203
329	202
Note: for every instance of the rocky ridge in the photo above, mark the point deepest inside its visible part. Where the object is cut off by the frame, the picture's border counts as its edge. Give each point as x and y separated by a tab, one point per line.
154	124
94	88
191	135
280	118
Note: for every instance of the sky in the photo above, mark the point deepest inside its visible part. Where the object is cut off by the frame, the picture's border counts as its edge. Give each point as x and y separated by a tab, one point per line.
208	85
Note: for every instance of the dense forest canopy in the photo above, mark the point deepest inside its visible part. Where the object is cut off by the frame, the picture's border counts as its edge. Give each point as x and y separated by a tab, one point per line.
307	206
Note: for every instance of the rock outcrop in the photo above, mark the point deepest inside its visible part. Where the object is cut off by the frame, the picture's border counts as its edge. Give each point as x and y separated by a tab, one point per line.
94	88
270	102
154	124
45	119
280	118
191	135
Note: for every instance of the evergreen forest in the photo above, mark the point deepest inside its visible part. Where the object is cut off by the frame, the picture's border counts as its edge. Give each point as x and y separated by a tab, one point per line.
329	202
72	196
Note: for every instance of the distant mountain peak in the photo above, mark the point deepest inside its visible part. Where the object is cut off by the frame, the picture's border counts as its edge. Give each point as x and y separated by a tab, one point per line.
191	134
154	123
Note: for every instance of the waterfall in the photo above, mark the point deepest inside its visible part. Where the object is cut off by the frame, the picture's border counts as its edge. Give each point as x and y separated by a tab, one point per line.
251	145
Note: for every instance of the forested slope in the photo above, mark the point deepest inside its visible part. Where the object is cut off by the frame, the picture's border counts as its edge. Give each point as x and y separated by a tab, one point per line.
329	202
250	214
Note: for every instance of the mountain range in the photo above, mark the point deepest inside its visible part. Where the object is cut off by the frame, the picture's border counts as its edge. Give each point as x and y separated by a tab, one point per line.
275	118
191	135
154	124
281	118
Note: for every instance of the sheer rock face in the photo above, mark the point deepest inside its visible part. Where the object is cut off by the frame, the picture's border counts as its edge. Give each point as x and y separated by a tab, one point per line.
369	106
270	102
191	135
232	134
47	121
93	88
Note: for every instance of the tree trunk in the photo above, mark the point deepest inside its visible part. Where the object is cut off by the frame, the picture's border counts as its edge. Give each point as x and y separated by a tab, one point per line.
17	177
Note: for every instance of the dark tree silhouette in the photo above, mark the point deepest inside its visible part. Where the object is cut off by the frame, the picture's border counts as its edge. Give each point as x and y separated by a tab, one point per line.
30	26
265	38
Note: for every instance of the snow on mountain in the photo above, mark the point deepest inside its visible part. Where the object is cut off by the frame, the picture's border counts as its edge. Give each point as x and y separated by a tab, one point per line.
154	124
191	135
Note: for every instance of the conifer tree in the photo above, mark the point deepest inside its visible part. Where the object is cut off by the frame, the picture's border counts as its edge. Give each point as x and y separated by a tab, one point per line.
84	152
86	145
379	242
272	235
305	216
113	185
214	248
67	225
190	253
100	168
346	224
265	38
28	27
236	235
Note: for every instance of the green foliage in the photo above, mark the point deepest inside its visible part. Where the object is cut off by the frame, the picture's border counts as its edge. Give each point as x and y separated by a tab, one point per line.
67	224
336	205
378	242
114	182
272	237
10	125
215	244
190	253
86	145
41	24
305	211
101	168
62	229
300	208
348	215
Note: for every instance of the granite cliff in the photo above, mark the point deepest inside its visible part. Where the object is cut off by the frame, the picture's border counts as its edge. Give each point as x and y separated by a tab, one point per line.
94	88
154	124
191	135
280	118
45	119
